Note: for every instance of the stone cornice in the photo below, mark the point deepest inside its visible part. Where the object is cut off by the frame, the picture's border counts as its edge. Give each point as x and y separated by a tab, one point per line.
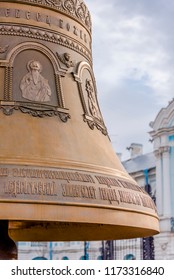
162	131
162	150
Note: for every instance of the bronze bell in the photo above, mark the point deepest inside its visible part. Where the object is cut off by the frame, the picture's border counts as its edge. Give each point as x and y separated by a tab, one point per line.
59	176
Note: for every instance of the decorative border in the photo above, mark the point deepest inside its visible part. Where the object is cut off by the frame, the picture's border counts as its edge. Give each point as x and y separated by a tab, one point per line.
74	8
34	110
93	122
89	119
35	46
40	34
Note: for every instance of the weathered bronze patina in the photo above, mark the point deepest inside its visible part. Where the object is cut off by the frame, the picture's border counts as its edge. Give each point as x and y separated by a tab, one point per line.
59	176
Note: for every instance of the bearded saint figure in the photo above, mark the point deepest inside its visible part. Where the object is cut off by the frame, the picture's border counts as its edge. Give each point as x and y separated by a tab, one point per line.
34	86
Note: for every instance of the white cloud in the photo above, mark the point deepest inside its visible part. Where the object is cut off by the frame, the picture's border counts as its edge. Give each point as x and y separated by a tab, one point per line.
133	61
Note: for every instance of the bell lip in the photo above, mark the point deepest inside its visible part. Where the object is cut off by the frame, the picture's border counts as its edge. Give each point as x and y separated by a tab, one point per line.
10	211
56	223
42	231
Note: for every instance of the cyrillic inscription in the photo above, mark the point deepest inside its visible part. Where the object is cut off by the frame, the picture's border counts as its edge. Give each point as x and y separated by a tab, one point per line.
38	17
15	188
61	185
52	174
78	191
118	183
131	186
109	194
107	181
147	202
130	198
3	172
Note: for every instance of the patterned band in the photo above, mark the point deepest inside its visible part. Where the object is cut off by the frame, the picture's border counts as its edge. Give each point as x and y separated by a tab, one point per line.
75	8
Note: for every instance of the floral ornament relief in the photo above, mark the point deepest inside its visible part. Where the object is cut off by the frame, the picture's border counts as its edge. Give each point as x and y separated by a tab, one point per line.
81	11
69	6
56	3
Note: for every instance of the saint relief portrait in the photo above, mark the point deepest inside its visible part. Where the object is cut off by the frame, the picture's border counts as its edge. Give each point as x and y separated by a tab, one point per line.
92	102
34	86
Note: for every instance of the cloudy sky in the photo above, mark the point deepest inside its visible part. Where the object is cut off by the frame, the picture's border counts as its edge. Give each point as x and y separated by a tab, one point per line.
133	55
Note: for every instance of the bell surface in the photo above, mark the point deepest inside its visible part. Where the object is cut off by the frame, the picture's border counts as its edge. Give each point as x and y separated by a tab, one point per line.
60	178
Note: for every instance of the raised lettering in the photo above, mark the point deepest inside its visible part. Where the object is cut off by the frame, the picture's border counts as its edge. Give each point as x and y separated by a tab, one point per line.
15	188
7	12
45	18
17	13
130	198
81	34
130	186
108	194
78	191
85	38
148	202
3	172
48	20
75	30
107	181
61	23
38	17
28	15
68	26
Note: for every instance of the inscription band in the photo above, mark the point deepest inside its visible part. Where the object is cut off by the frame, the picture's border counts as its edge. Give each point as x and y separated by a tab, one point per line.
69	186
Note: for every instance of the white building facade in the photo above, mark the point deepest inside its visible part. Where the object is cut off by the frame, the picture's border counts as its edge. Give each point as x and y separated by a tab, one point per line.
163	136
59	250
154	169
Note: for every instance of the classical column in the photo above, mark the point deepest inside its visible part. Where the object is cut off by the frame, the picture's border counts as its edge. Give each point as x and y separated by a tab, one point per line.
166	181
159	183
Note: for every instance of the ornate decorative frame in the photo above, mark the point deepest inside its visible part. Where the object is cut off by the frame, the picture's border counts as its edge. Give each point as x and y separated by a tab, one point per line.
87	117
36	109
44	35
